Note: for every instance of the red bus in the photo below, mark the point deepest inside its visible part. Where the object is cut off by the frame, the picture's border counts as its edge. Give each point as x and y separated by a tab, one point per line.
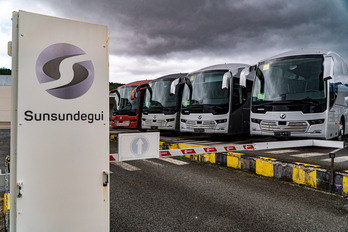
128	106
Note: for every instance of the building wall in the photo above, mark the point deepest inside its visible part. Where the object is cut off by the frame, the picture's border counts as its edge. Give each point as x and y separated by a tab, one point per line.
5	107
5	143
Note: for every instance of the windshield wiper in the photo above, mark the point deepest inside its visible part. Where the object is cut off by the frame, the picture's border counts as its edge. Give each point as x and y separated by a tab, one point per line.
194	102
197	106
155	104
289	102
216	107
263	103
308	100
275	103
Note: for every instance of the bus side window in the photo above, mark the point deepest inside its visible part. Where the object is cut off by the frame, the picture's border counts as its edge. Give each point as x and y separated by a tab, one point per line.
332	92
239	94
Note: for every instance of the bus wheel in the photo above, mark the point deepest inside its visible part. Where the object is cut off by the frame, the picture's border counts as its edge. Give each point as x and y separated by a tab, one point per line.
341	131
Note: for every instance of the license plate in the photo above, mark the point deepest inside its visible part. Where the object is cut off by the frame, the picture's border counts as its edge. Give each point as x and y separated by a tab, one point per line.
282	133
198	130
123	123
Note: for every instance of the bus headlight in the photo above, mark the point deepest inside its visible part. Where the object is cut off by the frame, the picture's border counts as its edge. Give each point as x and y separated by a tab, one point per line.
221	121
254	120
317	121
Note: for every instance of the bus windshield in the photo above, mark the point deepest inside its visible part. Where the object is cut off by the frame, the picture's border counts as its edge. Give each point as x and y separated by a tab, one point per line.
123	103
204	90
291	81
158	97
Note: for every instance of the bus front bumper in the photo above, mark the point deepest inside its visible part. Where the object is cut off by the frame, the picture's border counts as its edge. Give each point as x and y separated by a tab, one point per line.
312	131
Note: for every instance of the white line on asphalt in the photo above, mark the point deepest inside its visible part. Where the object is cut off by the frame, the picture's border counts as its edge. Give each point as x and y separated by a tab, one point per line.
282	151
173	161
126	166
308	155
337	159
153	163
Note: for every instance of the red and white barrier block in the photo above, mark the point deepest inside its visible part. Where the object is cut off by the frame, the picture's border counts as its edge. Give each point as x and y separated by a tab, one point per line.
242	147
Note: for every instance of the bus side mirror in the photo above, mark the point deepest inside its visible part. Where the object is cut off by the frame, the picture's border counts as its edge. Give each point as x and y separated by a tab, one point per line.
225	80
173	86
243	77
134	94
328	68
245	73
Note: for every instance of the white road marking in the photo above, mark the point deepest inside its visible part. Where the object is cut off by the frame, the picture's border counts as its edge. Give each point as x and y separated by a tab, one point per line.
126	166
337	159
308	155
281	151
173	161
153	163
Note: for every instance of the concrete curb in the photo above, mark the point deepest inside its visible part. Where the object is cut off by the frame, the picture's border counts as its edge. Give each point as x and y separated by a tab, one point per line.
300	173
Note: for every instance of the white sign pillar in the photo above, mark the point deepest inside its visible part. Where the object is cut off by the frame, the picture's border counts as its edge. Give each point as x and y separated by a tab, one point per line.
60	125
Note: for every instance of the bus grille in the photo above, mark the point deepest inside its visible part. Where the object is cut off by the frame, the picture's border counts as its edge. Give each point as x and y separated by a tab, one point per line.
150	122
200	124
289	126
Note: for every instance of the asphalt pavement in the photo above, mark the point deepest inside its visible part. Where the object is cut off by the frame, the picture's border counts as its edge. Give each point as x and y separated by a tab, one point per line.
161	195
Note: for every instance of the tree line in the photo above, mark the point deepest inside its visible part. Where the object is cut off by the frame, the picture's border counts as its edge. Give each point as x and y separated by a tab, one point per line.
5	71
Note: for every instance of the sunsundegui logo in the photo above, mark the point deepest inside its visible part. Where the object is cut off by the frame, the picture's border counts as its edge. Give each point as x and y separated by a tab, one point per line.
72	83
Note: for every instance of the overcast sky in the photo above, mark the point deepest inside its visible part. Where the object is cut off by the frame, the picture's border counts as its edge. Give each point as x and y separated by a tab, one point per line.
152	38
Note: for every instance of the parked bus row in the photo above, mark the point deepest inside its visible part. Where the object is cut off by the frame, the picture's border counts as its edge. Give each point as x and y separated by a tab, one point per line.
302	93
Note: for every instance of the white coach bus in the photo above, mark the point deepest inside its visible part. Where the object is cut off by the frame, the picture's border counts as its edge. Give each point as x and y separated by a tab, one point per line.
302	93
161	109
213	101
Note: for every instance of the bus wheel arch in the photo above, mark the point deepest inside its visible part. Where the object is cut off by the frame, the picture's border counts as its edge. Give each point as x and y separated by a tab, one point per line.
341	129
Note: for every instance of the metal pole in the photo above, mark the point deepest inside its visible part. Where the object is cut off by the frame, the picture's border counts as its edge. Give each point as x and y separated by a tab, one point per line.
332	172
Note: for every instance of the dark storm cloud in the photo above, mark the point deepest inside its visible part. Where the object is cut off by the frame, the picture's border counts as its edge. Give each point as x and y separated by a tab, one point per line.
162	27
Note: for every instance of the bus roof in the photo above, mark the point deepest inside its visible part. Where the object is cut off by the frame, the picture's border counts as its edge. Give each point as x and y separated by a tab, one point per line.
170	77
228	66
299	53
135	83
